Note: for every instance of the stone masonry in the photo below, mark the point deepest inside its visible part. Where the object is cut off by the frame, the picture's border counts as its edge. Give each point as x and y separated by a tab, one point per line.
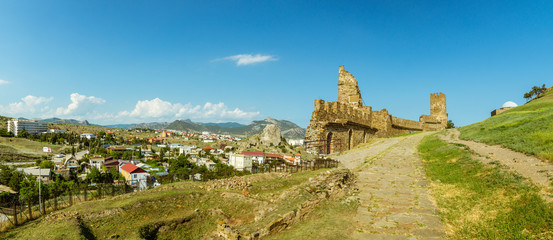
341	125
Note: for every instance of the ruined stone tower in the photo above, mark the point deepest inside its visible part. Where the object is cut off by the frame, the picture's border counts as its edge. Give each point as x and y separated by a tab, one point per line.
348	91
344	124
438	113
438	105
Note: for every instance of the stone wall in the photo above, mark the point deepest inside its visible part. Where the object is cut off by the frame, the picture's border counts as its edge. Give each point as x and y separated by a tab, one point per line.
346	123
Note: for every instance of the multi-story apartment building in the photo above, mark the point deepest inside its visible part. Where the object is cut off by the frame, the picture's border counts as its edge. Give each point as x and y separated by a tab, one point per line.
15	126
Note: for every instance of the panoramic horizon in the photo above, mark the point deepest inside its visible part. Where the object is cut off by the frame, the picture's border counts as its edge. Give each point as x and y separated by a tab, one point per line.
126	62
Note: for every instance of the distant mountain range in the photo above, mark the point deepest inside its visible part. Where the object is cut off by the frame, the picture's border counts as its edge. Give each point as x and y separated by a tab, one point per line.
68	121
288	129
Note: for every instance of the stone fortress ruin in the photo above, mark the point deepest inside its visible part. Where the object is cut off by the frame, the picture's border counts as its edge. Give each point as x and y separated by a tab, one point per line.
346	123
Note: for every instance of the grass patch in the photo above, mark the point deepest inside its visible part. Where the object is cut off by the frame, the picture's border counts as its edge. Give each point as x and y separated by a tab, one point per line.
479	201
527	128
330	220
18	149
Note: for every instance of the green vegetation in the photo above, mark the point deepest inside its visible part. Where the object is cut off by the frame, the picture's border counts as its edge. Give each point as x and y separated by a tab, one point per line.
535	92
450	124
183	210
527	128
479	201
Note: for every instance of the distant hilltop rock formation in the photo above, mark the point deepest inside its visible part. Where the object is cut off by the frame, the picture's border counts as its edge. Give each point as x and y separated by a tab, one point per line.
270	136
342	125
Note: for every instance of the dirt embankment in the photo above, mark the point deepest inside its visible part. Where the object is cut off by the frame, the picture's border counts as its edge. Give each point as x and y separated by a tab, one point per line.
326	186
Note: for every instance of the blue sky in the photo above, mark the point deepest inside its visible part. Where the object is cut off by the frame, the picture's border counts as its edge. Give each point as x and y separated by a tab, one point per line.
214	61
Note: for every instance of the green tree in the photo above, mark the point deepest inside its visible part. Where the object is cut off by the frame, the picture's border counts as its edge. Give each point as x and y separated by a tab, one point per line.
450	124
535	92
47	164
95	176
28	192
23	134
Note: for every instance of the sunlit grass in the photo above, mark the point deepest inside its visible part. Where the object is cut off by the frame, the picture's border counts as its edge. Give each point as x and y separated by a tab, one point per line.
527	128
479	201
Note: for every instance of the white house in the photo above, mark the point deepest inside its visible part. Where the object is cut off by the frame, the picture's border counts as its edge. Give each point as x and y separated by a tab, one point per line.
240	162
295	142
258	157
186	149
97	161
88	136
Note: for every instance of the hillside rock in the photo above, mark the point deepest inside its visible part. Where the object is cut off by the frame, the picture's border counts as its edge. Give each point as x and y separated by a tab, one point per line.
271	135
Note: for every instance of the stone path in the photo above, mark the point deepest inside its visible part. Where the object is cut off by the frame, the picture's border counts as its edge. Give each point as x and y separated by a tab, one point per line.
538	171
393	191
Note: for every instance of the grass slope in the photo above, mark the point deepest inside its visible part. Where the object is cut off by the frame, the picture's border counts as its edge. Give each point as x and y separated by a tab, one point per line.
183	210
481	201
20	149
527	128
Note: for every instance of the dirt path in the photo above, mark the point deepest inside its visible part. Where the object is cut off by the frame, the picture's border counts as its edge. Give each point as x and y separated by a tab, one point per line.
393	191
530	167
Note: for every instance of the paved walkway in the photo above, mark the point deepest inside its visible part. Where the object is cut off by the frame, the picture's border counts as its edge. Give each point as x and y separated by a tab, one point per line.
393	191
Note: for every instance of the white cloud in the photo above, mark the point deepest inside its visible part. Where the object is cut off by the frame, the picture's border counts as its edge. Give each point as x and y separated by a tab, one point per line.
247	59
157	108
29	105
2	82
80	104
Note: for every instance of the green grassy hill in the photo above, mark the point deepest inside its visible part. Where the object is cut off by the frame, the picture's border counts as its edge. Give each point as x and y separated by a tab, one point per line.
527	128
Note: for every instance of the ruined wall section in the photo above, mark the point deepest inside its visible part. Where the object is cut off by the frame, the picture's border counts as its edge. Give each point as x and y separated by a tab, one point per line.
406	124
348	90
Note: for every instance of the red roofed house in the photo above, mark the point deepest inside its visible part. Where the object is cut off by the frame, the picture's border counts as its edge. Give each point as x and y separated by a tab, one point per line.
259	157
134	175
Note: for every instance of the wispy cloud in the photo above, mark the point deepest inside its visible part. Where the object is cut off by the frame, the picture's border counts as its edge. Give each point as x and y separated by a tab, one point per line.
2	82
248	59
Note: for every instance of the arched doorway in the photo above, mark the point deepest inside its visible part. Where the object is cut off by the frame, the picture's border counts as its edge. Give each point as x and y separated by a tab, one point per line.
350	140
329	143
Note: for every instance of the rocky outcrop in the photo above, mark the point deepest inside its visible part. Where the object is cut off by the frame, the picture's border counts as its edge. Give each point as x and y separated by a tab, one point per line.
234	183
326	186
270	136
